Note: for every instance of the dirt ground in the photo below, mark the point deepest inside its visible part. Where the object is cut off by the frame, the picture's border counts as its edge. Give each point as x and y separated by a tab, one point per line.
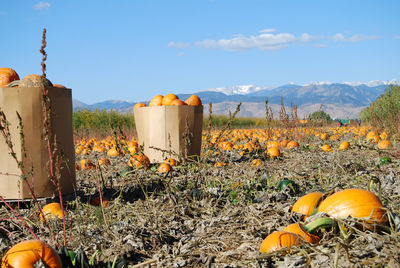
199	215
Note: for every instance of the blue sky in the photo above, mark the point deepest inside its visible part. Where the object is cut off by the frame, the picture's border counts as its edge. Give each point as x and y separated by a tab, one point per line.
135	49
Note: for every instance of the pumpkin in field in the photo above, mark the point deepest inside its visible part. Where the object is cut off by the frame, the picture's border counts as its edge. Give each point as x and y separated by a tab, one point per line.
306	204
156	101
58	86
32	80
104	162
164	168
193	100
97	200
384	144
278	240
52	211
344	146
273	152
292	144
28	253
326	148
172	162
87	164
113	152
300	230
7	75
168	99
256	162
139	105
139	161
357	203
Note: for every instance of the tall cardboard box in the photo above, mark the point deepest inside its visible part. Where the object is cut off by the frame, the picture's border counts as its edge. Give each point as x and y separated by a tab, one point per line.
28	103
165	131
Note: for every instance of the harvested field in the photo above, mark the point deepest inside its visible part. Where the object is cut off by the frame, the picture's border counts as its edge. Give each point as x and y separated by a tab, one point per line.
200	215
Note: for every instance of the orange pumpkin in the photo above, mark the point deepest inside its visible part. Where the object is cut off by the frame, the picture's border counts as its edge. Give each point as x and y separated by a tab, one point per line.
307	203
96	201
384	144
27	253
156	101
326	148
357	203
104	162
172	162
273	152
139	105
113	152
52	211
58	86
178	102
193	100
292	144
278	240
299	229
256	162
168	99
164	168
344	146
139	161
7	75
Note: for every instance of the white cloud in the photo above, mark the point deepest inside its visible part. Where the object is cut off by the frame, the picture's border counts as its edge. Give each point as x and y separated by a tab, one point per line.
42	5
178	45
269	30
263	41
354	38
320	45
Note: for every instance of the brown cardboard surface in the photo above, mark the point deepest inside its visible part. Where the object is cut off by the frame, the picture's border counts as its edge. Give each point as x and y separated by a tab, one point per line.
28	103
165	127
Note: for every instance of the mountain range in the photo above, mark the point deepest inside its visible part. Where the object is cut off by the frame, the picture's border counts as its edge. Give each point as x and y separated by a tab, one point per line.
340	100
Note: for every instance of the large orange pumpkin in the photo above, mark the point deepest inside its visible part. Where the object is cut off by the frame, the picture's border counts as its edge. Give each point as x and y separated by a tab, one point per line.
7	75
27	253
52	211
194	100
278	240
168	99
307	203
357	203
156	101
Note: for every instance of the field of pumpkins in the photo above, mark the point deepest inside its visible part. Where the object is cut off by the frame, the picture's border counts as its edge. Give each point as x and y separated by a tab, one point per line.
290	197
268	197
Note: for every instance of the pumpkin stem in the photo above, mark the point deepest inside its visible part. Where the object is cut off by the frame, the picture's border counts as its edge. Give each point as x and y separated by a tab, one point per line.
318	224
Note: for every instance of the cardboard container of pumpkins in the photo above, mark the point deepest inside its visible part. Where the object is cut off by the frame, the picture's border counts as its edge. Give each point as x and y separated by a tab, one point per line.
168	131
27	101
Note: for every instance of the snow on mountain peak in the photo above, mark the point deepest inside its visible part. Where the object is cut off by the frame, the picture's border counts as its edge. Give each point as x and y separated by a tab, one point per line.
239	89
373	83
316	83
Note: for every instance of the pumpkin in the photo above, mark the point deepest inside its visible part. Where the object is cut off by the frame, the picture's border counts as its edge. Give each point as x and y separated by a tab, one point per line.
27	253
96	201
292	144
278	240
307	203
32	80
104	162
256	162
178	102
113	152
299	229
357	203
7	75
52	211
194	100
87	164
172	162
384	144
156	101
58	86
273	152
168	99
219	164
139	161
139	105
164	168
344	146
326	148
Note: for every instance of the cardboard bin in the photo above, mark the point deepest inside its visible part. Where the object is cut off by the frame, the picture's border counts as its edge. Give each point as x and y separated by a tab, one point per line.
169	128
28	103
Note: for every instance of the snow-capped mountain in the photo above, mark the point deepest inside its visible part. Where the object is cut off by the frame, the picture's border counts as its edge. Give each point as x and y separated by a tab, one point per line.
239	89
345	99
